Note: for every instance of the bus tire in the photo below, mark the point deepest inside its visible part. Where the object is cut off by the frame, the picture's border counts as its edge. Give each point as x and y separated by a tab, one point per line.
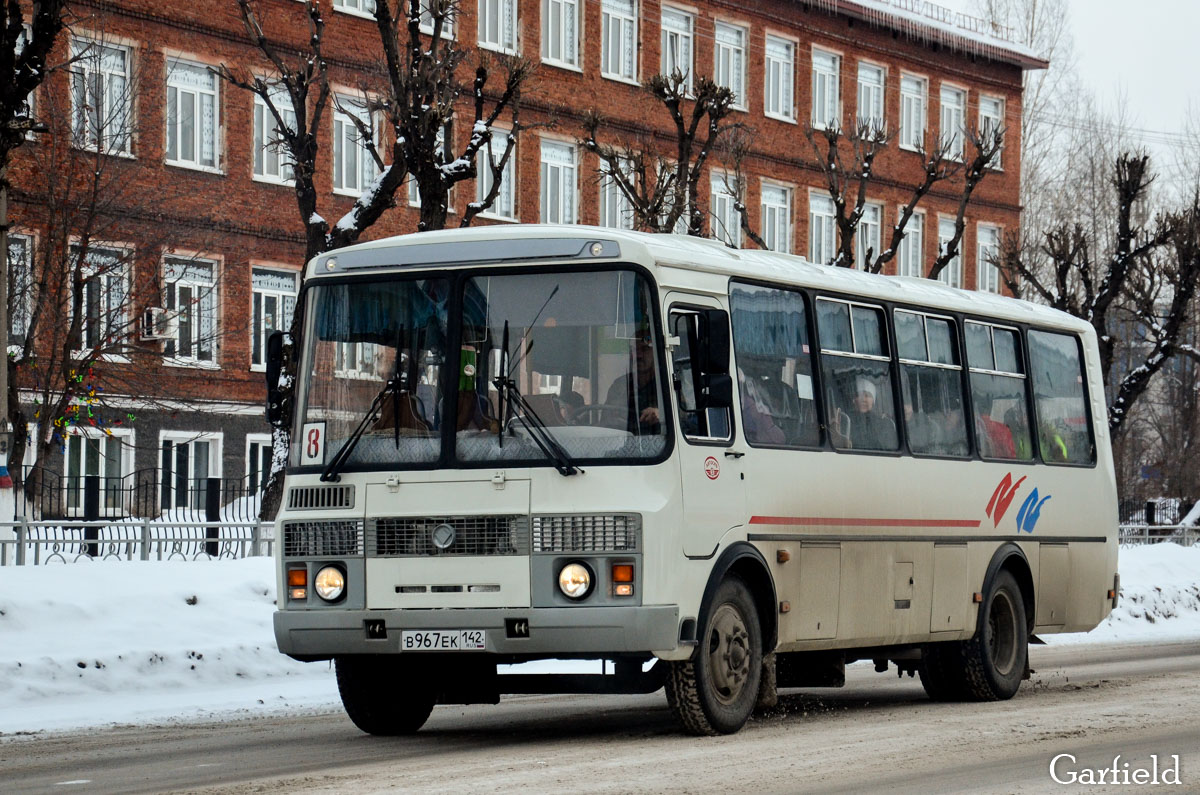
715	692
941	672
384	695
994	660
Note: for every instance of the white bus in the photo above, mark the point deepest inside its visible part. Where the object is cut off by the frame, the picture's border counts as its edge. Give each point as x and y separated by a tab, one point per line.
721	471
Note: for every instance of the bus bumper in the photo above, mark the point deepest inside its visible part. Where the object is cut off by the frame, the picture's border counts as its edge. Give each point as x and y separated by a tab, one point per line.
320	634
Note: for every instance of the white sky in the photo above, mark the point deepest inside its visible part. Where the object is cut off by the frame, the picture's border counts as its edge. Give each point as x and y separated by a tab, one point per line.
1140	52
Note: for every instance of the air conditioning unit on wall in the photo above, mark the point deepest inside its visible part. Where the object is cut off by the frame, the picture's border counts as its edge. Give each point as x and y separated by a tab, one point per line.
154	324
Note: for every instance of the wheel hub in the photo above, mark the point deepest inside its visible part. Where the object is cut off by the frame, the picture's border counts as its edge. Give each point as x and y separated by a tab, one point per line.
729	653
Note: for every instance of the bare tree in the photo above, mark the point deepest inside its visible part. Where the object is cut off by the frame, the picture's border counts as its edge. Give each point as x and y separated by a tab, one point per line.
1139	277
407	130
24	64
661	180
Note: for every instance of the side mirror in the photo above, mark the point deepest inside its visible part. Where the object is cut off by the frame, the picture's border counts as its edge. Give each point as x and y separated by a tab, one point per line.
716	391
274	369
714	332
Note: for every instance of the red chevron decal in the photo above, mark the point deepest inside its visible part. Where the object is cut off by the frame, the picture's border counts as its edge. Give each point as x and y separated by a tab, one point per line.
1002	497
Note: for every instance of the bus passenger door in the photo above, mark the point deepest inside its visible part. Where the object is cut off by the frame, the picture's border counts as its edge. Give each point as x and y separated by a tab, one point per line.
714	498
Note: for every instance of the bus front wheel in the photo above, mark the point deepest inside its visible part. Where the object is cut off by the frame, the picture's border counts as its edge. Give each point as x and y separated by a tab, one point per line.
384	694
716	690
991	665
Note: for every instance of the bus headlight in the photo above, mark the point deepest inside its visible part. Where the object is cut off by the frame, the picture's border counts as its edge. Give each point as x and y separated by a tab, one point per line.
330	583
575	580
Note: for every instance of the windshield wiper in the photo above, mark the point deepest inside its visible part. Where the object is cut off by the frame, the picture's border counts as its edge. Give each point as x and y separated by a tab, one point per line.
393	386
536	427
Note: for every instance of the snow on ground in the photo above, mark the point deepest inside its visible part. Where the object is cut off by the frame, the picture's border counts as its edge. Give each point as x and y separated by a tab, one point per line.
104	643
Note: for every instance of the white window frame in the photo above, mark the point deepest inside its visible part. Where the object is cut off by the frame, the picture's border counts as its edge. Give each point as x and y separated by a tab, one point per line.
822	228
256	442
776	217
31	98
910	259
267	145
114	317
345	135
92	64
869	234
500	16
505	206
426	25
22	289
725	222
556	171
182	271
953	120
177	89
872	82
914	104
566	53
619	28
356	8
729	60
259	296
826	84
987	251
952	274
779	77
991	116
616	211
215	441
680	41
73	493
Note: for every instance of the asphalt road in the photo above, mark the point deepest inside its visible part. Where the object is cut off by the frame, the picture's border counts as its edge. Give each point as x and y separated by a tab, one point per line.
879	733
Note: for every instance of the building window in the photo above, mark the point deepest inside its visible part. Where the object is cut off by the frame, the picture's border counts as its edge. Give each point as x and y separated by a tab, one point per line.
778	77
870	95
726	220
616	211
952	273
777	218
954	109
353	165
193	115
101	101
560	32
822	229
272	304
504	205
677	36
987	268
192	308
29	111
558	183
259	454
272	159
20	287
105	297
105	455
826	97
427	20
729	61
187	461
866	247
498	25
912	112
991	118
912	247
618	39
361	7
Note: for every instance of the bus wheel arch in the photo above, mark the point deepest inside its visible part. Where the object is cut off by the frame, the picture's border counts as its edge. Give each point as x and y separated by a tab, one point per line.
746	562
1009	557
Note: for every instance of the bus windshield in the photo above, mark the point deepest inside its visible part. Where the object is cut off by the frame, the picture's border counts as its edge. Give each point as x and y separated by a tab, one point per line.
581	366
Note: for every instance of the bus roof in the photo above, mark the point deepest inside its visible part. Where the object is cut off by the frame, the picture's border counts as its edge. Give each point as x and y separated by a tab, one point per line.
543	242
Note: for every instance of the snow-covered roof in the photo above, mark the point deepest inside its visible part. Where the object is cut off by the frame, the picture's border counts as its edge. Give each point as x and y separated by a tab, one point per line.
927	22
711	256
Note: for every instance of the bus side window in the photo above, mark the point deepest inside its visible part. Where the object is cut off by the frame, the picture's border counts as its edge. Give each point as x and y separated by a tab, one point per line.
1064	433
856	370
998	392
695	421
775	366
931	384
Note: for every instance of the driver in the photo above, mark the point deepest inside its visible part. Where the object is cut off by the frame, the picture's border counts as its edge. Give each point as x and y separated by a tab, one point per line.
641	396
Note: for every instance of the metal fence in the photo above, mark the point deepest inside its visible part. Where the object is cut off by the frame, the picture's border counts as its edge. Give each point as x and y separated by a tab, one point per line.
1132	535
37	543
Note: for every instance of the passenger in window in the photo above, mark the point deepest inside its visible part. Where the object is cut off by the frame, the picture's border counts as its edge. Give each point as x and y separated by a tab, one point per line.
1054	447
640	395
757	418
995	438
864	428
924	435
1014	418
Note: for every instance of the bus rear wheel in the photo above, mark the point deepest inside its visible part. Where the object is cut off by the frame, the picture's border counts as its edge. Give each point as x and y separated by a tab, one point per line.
715	691
384	694
991	665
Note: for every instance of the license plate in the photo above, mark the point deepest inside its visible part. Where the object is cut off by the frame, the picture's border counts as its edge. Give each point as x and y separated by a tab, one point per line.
442	640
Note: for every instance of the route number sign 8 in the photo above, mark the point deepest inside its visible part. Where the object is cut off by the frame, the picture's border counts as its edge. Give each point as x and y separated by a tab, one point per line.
312	443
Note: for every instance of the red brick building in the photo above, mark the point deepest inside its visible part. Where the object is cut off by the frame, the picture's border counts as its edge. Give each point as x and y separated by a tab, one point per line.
229	239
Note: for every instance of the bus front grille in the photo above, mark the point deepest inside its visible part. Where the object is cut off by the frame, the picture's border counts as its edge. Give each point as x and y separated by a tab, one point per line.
403	536
336	538
600	532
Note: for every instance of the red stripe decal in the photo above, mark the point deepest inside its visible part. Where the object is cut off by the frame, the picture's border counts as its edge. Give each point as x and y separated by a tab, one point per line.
808	521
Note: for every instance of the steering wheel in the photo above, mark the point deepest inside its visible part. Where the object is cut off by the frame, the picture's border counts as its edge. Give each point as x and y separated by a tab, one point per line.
605	415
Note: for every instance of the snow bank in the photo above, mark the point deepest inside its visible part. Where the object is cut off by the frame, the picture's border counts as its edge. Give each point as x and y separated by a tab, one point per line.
130	642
